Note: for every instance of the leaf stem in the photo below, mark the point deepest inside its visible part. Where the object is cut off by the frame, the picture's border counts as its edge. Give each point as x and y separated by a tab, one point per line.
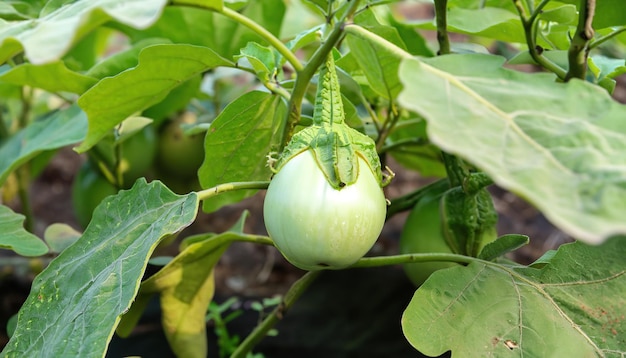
23	182
579	48
401	143
408	201
292	295
222	188
441	15
412	258
602	39
268	36
529	23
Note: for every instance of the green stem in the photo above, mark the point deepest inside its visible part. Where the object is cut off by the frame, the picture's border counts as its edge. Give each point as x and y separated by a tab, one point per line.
412	258
441	14
255	239
4	129
222	188
408	201
455	170
418	142
305	75
23	182
292	295
268	36
529	23
578	49
602	39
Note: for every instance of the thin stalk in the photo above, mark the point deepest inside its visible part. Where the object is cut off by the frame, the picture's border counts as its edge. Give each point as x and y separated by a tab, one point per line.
412	258
579	48
408	201
418	142
4	129
222	188
441	15
602	39
455	170
529	23
23	182
292	295
387	128
268	36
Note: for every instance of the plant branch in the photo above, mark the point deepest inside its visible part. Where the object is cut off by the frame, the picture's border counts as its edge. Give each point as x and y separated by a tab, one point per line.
305	75
579	48
222	188
408	201
412	258
529	23
441	15
292	295
268	36
404	142
602	39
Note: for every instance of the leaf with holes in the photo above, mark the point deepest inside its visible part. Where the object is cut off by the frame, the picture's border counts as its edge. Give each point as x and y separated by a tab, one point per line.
76	302
567	308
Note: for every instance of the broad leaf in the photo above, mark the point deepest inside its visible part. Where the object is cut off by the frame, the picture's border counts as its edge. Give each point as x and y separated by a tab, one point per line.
607	13
237	145
48	38
60	236
123	60
560	146
52	77
62	128
262	60
568	308
13	236
502	245
186	286
161	69
490	22
76	302
379	65
179	24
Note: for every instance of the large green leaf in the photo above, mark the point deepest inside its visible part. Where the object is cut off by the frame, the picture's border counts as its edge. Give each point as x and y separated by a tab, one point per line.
13	236
490	22
161	69
76	302
237	145
62	128
186	286
52	77
179	24
572	307
379	65
560	146
48	38
607	13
